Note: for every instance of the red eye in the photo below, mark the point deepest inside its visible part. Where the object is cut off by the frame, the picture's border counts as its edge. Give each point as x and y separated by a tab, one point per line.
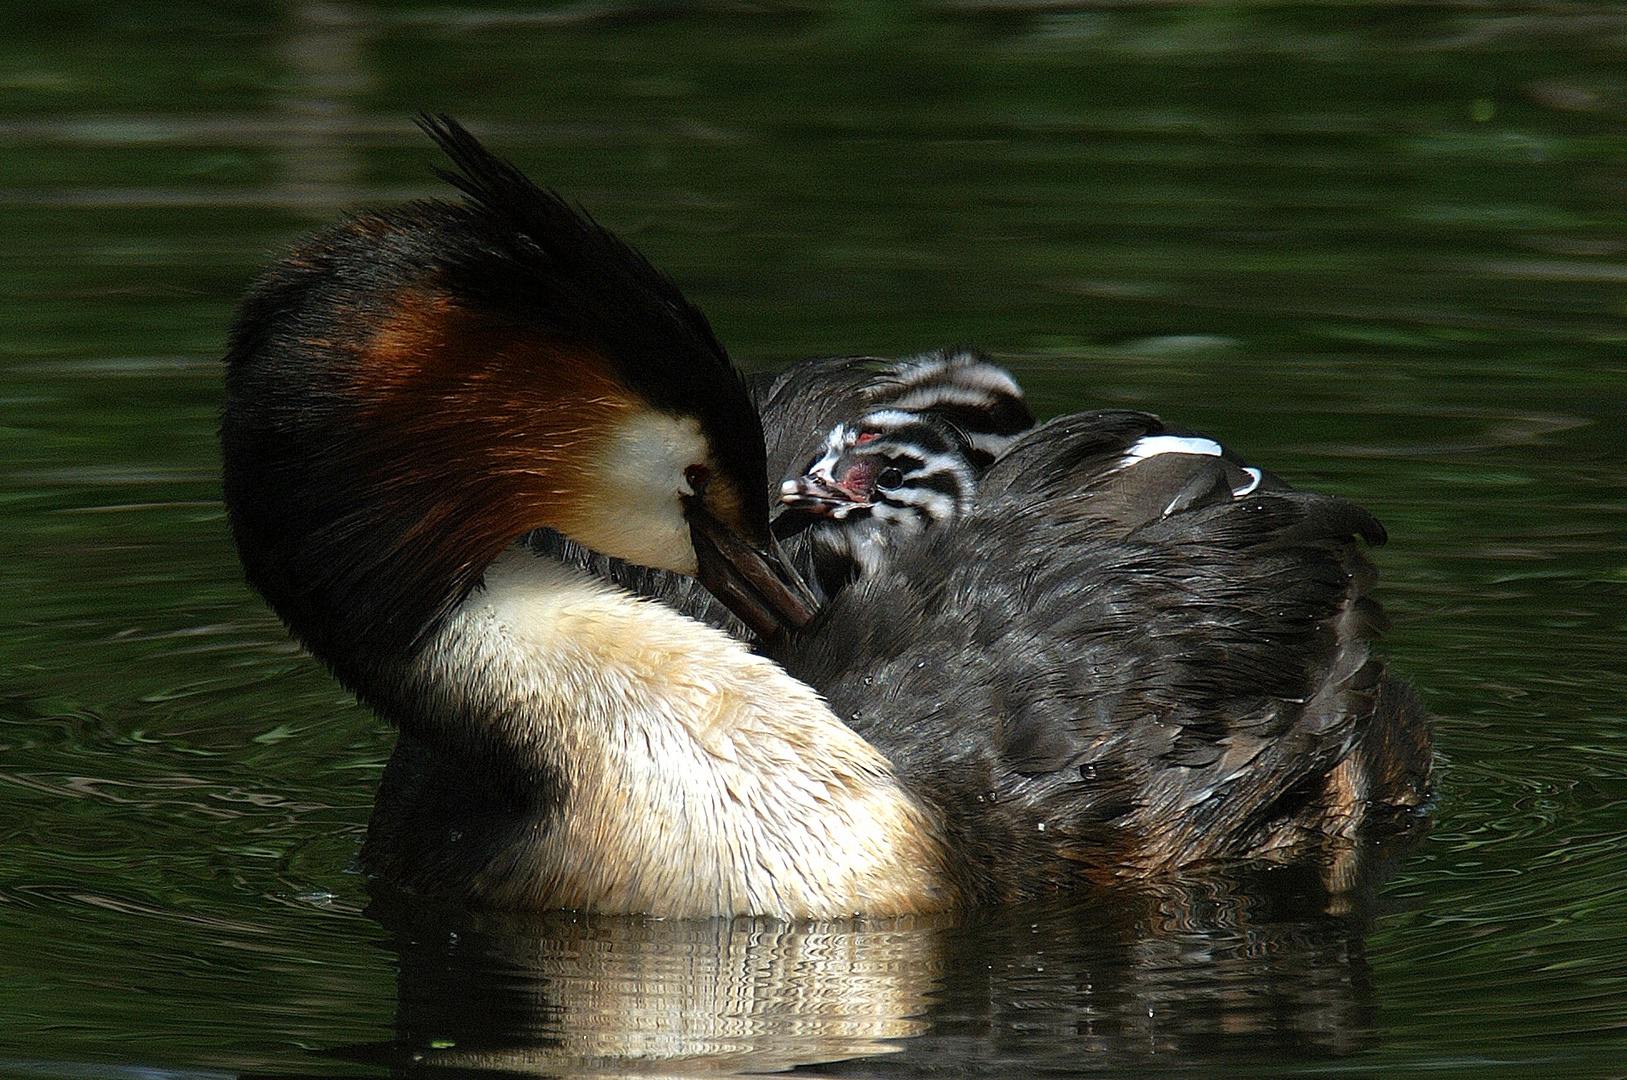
696	477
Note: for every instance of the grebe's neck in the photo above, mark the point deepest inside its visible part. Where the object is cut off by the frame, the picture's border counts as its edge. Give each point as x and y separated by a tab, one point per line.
676	772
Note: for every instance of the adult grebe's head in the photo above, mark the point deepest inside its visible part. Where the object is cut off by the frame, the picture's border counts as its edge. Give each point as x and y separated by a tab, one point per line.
411	390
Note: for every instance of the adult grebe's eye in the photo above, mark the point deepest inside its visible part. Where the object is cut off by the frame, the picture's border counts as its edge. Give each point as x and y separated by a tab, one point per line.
889	479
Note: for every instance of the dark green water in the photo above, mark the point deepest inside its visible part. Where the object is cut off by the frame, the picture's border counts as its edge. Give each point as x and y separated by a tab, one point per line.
1380	249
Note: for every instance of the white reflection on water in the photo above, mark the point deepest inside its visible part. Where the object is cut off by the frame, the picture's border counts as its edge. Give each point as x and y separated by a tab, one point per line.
578	993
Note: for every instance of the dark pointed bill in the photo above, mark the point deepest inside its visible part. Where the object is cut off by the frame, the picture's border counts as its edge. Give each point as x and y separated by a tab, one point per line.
819	497
761	588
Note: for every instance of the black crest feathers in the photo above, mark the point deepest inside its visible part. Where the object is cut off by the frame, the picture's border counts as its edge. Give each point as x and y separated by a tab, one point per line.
535	257
378	378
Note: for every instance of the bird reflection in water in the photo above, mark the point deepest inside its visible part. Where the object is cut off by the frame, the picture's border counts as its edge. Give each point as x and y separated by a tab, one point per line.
1260	966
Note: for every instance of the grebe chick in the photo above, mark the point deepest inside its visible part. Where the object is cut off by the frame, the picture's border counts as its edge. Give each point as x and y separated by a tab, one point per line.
895	447
888	476
882	480
1021	701
961	386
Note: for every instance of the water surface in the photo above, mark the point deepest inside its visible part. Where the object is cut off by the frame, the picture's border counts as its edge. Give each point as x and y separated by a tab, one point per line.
1380	249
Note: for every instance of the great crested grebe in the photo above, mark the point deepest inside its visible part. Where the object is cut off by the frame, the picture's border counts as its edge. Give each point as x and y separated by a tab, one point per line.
911	438
1115	664
872	451
882	479
802	404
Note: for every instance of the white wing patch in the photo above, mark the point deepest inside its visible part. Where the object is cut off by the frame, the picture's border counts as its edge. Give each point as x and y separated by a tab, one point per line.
1153	445
1254	482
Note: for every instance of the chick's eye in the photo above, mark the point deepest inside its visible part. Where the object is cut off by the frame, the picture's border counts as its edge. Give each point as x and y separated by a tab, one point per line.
889	479
696	476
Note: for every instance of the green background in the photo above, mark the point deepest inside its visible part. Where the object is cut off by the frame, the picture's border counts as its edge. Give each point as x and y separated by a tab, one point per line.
1379	248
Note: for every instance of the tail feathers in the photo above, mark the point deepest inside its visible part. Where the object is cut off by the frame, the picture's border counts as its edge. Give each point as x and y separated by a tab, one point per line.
1395	750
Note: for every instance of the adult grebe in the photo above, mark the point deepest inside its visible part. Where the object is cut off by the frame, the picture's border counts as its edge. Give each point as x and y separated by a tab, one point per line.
1023	700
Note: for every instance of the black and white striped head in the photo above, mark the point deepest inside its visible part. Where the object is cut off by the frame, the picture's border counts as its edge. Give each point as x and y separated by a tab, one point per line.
965	388
927	428
898	469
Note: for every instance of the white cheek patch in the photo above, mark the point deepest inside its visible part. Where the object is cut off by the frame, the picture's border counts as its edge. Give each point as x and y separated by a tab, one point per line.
637	483
1254	482
825	468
